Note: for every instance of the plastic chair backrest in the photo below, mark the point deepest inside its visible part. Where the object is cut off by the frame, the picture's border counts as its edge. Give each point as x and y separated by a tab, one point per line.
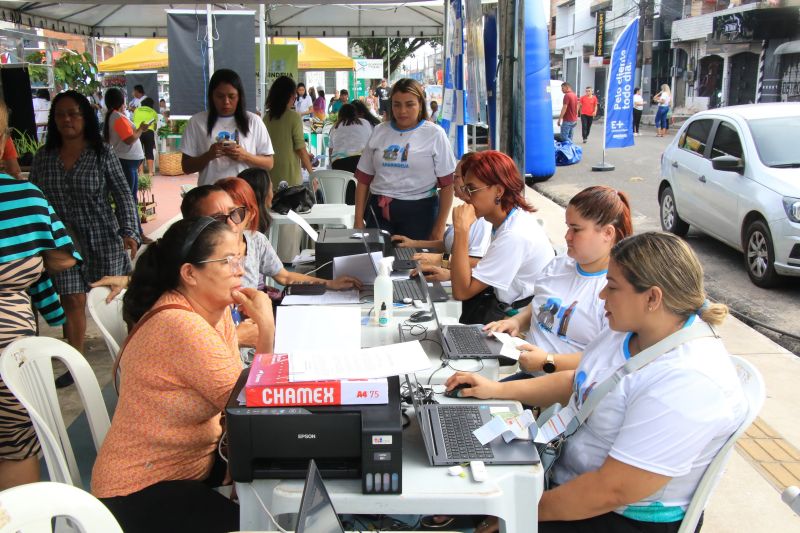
31	508
26	367
108	318
755	393
334	184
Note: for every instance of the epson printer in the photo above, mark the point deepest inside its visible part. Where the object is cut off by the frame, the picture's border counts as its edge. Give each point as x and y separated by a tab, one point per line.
346	441
338	242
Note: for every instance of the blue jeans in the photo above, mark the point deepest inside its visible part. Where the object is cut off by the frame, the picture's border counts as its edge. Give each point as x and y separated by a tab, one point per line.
661	117
130	167
567	129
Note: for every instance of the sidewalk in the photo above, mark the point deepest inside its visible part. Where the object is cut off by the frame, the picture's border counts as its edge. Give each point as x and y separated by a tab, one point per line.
767	458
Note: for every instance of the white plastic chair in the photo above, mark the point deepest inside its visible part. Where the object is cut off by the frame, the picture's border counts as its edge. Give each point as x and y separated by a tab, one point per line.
108	318
26	367
755	393
31	508
334	184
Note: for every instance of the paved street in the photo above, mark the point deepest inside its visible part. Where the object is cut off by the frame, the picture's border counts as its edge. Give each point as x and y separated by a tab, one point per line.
637	173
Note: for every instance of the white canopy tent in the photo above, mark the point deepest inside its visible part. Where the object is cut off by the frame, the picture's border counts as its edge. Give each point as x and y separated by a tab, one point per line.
303	18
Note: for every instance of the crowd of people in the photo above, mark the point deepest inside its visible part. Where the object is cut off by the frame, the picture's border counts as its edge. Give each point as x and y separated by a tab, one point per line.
202	286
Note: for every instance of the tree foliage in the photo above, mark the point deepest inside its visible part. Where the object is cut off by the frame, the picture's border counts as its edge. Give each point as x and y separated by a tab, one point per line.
76	71
401	48
37	73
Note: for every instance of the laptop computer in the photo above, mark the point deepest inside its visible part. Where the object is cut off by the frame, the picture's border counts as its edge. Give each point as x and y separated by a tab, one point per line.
447	432
317	514
464	341
409	288
403	257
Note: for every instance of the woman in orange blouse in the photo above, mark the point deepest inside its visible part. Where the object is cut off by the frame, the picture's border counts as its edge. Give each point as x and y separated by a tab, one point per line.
158	464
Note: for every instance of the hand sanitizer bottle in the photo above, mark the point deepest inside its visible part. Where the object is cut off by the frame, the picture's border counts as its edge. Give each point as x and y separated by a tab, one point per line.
384	301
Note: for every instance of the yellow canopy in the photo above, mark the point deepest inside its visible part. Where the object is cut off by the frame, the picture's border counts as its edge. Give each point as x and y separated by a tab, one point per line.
314	55
148	54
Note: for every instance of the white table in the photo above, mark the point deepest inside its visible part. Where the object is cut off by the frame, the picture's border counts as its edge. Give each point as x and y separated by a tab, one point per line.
511	493
334	214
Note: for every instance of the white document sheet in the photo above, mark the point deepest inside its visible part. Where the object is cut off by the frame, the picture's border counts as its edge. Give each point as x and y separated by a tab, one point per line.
357	266
510	344
329	298
300	221
377	362
317	328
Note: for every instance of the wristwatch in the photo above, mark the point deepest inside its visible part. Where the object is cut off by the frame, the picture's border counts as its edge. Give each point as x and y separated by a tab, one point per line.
549	365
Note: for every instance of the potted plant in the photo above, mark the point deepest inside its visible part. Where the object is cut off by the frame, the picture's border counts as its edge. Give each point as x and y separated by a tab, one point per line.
146	200
26	146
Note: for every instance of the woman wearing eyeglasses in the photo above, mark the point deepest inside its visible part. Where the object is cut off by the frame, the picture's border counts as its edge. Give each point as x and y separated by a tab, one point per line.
504	278
405	174
159	463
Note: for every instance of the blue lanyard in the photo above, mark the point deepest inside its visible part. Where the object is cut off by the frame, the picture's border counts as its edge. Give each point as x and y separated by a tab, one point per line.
504	220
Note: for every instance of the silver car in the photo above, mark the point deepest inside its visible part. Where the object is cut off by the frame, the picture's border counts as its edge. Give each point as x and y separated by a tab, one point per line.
734	173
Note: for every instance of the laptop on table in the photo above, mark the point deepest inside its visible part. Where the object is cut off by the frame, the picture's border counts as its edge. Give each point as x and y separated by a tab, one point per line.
464	341
317	514
447	432
409	288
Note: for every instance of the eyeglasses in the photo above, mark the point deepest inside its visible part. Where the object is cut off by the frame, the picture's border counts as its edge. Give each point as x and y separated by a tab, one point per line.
235	262
236	216
469	191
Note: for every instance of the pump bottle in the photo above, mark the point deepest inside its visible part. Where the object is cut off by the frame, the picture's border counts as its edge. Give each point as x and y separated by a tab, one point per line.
383	290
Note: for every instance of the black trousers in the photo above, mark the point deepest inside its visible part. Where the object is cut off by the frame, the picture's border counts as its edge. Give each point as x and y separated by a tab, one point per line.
181	505
412	218
586	125
637	119
611	523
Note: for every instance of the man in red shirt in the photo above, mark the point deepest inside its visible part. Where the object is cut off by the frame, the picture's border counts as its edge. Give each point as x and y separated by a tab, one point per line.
568	118
587	107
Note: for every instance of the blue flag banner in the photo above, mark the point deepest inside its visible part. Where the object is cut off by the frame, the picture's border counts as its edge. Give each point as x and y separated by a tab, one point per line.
619	92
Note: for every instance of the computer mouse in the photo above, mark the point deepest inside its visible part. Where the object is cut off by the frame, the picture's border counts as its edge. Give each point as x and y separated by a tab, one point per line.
455	392
407	300
420	316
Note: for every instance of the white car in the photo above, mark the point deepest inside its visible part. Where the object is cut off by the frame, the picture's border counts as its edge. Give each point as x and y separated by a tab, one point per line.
734	173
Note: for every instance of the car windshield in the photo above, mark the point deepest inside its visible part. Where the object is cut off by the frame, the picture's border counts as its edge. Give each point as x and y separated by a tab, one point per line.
775	140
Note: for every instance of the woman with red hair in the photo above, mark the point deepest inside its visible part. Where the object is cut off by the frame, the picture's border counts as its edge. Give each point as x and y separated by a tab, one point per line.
503	279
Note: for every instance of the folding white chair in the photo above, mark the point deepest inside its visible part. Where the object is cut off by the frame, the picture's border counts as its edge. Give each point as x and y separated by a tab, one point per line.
31	508
334	184
108	318
26	367
755	393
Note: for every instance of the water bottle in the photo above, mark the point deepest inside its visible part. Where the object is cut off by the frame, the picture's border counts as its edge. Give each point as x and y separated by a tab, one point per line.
384	291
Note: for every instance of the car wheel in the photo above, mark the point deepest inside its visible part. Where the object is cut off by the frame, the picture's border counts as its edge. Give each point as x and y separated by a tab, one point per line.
670	220
759	255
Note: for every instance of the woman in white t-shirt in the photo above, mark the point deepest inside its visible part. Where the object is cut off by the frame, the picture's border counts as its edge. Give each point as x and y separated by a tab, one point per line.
348	138
566	313
638	108
636	461
435	261
227	138
304	105
407	168
519	249
664	100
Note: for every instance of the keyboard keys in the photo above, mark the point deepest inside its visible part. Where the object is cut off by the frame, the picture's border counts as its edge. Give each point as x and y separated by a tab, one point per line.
457	423
468	340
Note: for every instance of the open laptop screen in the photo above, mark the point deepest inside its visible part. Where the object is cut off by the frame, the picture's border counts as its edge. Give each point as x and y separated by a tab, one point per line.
317	514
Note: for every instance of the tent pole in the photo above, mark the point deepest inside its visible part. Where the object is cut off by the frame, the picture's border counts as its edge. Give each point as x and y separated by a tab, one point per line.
388	60
262	58
210	39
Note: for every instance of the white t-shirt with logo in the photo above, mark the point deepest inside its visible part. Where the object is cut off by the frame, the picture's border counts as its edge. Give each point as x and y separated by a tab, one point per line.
406	163
196	142
567	310
349	140
518	253
669	418
303	104
480	236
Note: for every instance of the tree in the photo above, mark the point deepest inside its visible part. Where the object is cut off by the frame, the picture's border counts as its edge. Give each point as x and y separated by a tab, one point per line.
76	71
36	71
401	48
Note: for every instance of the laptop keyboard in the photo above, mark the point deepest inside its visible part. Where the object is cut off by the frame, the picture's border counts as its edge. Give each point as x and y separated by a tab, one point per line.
404	254
458	422
407	288
468	340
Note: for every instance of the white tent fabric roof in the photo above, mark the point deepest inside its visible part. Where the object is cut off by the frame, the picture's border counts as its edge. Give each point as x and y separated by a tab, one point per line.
303	18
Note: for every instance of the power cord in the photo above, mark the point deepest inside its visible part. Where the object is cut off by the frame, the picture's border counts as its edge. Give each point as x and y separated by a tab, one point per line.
264	507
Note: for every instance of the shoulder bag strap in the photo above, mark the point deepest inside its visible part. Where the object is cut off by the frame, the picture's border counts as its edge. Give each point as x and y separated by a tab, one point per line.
147	316
645	357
